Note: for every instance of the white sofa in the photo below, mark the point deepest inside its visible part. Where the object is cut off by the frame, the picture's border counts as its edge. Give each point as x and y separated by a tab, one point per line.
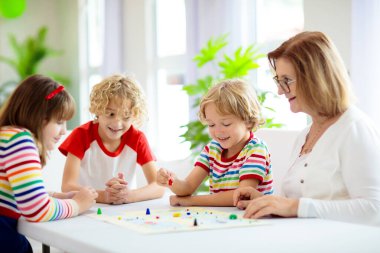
279	142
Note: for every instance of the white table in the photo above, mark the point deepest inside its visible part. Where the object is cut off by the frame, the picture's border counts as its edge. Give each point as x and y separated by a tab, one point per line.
85	234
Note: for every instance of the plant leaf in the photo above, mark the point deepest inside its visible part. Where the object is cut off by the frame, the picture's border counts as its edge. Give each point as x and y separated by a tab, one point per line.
209	52
242	62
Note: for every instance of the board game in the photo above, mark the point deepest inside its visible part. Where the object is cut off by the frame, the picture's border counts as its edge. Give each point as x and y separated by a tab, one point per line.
151	221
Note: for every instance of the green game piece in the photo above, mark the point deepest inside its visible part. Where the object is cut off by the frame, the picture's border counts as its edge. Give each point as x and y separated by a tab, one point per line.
99	211
233	216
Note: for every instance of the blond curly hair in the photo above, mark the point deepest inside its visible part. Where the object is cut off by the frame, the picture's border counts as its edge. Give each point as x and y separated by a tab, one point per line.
123	88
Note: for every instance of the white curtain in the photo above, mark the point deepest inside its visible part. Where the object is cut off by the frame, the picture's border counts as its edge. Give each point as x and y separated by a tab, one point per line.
365	60
113	38
212	18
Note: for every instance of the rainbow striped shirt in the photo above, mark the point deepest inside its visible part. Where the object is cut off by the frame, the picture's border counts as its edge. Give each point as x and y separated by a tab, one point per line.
253	161
22	191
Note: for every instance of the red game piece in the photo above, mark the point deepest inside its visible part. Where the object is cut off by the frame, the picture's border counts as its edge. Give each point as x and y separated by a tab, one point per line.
170	182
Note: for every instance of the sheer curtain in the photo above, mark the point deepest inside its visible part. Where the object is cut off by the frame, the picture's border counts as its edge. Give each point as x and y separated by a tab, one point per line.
365	63
113	39
212	18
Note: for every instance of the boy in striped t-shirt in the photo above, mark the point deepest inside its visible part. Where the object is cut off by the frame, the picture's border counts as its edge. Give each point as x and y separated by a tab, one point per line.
234	158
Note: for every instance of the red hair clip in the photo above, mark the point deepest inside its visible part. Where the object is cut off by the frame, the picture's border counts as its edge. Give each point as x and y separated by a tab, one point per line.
54	92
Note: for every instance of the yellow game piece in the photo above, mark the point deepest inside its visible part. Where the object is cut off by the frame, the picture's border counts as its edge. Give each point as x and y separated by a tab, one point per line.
119	217
176	214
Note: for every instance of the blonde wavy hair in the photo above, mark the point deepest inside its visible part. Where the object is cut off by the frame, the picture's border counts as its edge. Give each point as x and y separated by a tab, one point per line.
128	93
322	80
235	97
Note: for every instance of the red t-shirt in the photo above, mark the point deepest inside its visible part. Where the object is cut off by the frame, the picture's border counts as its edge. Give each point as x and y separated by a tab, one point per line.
98	164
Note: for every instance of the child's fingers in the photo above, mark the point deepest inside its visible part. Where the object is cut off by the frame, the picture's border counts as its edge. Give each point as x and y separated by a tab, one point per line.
119	187
242	204
114	181
237	196
121	175
162	177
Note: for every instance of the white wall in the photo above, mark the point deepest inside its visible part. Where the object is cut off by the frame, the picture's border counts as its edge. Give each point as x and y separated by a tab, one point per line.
353	25
334	19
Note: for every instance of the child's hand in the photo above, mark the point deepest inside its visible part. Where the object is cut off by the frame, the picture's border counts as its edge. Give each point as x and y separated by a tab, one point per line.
165	177
243	195
117	190
120	179
180	201
118	194
85	197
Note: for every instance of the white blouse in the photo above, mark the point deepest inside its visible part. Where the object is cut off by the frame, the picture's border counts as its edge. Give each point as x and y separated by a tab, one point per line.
340	178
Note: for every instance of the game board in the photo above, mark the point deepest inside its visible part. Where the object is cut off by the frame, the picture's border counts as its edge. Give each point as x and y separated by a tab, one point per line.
151	221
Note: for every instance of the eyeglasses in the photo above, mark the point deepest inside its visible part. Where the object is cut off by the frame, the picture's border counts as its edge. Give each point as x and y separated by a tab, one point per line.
283	83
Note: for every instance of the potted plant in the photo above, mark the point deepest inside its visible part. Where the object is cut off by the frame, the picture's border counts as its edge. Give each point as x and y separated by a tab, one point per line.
29	54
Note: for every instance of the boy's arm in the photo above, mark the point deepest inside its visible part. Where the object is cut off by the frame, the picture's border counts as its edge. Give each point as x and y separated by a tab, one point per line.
188	186
71	177
217	199
150	191
71	174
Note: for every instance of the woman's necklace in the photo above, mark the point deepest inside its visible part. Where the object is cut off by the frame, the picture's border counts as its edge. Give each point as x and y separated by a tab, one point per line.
315	132
312	137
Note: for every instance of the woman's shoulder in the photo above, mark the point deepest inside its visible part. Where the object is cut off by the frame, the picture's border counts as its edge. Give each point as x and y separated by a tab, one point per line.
353	117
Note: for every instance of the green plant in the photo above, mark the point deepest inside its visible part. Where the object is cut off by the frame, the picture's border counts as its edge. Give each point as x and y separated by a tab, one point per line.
29	54
238	65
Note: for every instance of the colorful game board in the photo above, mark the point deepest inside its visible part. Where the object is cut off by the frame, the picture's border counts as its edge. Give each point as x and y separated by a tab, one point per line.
151	221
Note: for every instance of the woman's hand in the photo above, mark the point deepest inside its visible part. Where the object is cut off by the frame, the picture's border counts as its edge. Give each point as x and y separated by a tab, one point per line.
270	205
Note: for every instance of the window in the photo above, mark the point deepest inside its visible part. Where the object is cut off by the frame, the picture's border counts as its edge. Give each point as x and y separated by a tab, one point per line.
91	54
276	22
172	102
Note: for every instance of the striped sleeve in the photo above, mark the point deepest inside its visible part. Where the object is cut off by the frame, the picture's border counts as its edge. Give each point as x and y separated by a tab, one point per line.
24	187
203	159
256	163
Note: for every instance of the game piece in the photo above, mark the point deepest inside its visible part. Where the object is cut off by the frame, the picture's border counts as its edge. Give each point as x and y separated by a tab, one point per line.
99	211
170	182
147	211
176	214
175	219
233	217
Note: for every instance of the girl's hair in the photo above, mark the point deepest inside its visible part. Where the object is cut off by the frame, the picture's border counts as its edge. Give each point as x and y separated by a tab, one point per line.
126	90
29	108
234	97
322	80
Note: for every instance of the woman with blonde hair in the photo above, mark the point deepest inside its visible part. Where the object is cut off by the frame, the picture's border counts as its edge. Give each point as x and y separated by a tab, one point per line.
334	171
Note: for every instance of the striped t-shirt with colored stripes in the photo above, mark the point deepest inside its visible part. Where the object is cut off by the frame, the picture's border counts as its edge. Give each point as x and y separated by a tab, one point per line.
22	191
253	162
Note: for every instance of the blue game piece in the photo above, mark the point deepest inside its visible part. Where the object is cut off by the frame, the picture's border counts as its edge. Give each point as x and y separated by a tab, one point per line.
147	211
